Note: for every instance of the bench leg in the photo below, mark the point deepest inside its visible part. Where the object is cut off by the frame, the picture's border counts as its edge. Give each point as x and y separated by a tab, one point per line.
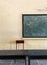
27	60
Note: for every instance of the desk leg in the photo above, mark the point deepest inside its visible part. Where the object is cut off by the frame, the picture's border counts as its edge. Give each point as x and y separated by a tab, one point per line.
16	46
27	60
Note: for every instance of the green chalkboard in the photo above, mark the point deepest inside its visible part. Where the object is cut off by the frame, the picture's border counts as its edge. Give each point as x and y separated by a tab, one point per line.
34	25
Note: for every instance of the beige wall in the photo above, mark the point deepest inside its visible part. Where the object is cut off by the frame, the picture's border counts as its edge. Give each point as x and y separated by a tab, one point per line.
11	22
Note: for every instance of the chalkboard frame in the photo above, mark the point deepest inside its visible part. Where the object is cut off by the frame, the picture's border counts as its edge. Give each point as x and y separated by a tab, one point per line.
23	25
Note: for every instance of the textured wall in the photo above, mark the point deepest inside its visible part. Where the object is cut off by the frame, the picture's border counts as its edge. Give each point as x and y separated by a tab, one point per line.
11	22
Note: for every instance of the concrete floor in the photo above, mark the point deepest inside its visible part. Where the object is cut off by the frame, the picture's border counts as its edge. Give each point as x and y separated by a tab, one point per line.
22	62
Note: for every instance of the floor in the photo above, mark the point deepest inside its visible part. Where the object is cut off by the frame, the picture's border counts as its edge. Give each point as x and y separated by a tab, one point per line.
22	62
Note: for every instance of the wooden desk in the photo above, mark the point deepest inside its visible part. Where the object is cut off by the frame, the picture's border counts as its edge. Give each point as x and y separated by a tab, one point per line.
23	54
19	42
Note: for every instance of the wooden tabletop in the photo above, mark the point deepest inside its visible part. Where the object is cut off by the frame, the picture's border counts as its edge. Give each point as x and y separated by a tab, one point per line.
23	52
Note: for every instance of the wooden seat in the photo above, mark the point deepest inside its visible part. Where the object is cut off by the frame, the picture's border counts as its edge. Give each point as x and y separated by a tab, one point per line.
19	42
